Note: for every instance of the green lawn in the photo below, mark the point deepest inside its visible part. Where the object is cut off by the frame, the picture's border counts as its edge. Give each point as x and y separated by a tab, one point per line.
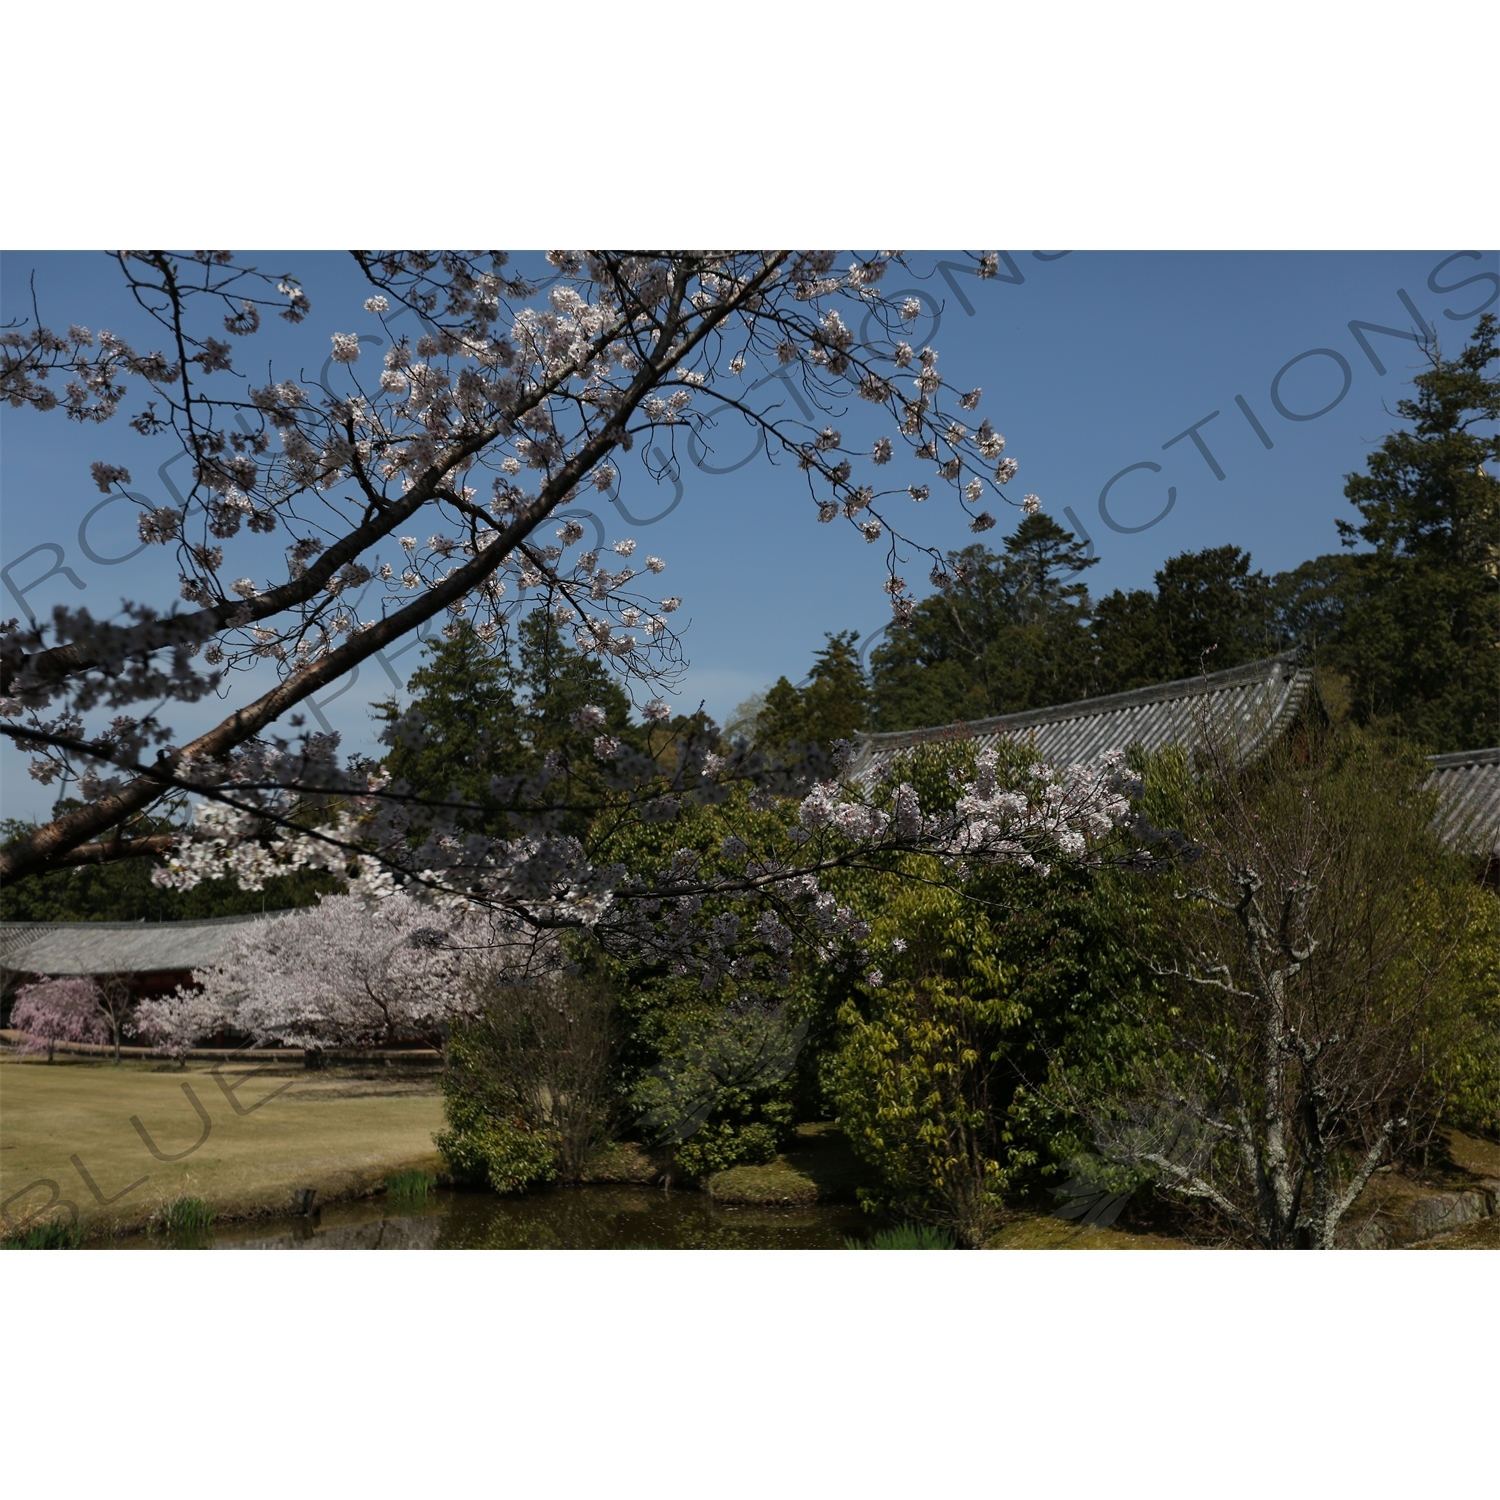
340	1136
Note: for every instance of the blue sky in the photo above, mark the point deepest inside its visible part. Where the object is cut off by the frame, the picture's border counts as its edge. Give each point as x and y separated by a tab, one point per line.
1091	364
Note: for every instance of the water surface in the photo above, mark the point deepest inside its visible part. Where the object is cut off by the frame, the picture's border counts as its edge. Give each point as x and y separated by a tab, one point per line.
565	1218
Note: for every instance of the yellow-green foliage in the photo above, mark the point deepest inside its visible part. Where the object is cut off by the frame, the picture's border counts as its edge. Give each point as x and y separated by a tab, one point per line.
1402	990
487	1140
916	1078
506	1154
1466	1079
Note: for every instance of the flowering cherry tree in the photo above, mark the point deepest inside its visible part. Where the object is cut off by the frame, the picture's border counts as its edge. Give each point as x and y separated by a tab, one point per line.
675	914
524	391
436	486
346	973
59	1010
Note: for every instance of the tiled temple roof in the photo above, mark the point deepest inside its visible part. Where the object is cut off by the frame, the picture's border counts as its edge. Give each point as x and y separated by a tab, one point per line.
1255	702
115	947
1468	788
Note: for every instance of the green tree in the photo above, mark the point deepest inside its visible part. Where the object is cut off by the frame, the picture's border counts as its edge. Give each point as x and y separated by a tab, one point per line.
1209	612
1309	602
833	706
1420	643
711	1072
919	1080
1008	634
554	681
480	718
463	727
939	1074
1214	609
1130	642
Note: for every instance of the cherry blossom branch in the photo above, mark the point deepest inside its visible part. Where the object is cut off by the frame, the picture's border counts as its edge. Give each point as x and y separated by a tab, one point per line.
612	355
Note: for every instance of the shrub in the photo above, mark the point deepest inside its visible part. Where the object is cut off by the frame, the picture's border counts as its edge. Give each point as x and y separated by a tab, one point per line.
721	1094
182	1215
533	1073
53	1235
482	1145
991	980
714	1148
1465	1083
410	1186
907	1237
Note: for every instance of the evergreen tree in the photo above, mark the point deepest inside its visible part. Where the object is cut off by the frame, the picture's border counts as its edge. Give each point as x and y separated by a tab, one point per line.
463	726
1041	655
1420	643
1009	634
1209	612
1309	603
479	718
833	706
1130	642
555	680
1413	625
1214	610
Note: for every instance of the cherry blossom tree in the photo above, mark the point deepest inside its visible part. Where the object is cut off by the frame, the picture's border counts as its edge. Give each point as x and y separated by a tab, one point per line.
733	916
59	1010
526	389
347	973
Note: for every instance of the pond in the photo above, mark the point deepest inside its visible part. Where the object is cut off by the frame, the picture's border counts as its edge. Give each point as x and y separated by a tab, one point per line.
565	1218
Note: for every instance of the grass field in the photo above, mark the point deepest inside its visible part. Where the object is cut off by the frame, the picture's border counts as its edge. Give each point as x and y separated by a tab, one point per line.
339	1136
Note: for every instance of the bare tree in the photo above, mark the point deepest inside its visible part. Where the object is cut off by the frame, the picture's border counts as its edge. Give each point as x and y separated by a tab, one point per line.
1307	969
116	1001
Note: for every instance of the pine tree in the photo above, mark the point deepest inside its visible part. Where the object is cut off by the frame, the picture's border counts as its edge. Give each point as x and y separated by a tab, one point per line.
1009	634
1209	612
1421	639
833	706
